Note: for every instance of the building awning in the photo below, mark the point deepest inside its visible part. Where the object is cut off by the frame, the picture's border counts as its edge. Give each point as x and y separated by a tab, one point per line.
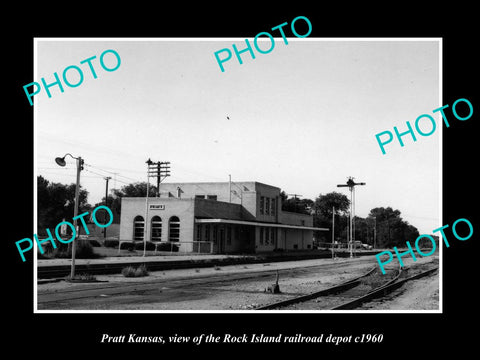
255	223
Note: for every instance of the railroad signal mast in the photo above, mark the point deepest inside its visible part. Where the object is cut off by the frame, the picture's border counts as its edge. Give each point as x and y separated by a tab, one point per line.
351	185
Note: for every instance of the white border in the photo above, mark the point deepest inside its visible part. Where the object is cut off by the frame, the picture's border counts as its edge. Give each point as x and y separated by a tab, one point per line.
439	311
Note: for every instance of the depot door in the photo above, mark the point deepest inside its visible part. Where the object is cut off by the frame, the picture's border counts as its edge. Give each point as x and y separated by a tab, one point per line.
221	240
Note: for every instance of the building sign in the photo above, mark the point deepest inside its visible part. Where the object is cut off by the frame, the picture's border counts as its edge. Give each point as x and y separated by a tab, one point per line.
157	207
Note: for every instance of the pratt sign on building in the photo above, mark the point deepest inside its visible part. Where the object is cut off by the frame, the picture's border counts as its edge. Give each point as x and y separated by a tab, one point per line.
157	207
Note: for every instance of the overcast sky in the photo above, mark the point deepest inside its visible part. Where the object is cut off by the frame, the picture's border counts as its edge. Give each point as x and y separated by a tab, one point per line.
302	118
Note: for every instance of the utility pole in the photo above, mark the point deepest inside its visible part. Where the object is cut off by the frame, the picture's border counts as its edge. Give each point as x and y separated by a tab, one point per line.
106	204
295	200
351	185
145	221
80	162
333	232
160	170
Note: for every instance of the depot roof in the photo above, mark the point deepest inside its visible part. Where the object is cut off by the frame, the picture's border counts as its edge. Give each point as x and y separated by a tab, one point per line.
256	223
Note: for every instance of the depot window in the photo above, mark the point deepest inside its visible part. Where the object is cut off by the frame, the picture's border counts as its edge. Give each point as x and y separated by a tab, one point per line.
174	229
138	228
156	229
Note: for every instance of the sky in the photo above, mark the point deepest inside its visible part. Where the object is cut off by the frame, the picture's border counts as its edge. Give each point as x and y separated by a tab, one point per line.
302	117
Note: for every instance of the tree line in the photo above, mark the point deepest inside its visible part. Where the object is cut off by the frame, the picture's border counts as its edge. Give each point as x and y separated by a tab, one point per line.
384	225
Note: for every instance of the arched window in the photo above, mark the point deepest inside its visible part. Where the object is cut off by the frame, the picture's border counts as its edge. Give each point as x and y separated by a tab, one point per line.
138	228
174	229
156	229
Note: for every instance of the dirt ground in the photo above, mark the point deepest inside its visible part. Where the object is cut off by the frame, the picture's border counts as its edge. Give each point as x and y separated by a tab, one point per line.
166	294
421	294
220	288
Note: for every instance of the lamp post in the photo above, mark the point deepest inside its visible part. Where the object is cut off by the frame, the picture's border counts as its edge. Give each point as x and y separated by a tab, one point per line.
61	162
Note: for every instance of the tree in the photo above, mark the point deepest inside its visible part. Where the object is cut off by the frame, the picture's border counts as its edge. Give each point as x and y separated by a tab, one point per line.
138	189
301	206
322	215
324	204
113	203
363	230
56	202
391	229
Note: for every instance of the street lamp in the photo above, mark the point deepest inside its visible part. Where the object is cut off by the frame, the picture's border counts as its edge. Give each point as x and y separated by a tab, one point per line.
61	162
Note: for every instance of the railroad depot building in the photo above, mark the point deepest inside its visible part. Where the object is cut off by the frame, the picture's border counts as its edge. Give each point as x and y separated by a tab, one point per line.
216	217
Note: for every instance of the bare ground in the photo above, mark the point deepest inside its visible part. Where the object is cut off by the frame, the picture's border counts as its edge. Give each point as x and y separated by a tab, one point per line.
203	289
421	294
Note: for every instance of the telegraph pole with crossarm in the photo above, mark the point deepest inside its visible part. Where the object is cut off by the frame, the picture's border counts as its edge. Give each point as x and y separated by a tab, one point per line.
160	170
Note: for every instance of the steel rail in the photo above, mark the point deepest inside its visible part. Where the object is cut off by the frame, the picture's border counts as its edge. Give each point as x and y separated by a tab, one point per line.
332	290
55	271
381	291
179	282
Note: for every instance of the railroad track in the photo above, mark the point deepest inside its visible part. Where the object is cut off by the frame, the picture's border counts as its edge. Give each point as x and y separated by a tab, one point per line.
382	291
87	290
60	271
348	295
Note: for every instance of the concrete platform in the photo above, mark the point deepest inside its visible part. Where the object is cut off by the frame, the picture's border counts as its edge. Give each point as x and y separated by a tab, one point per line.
54	268
133	259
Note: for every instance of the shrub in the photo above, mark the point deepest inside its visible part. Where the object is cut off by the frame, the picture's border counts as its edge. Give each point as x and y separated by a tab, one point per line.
127	246
150	245
111	243
94	243
131	271
47	249
82	277
168	247
83	250
128	271
141	271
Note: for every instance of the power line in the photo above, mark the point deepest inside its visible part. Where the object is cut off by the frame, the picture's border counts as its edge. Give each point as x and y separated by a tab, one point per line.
111	172
74	175
103	176
54	169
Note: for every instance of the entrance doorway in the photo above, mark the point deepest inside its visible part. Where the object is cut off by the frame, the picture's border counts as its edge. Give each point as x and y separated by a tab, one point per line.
221	240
